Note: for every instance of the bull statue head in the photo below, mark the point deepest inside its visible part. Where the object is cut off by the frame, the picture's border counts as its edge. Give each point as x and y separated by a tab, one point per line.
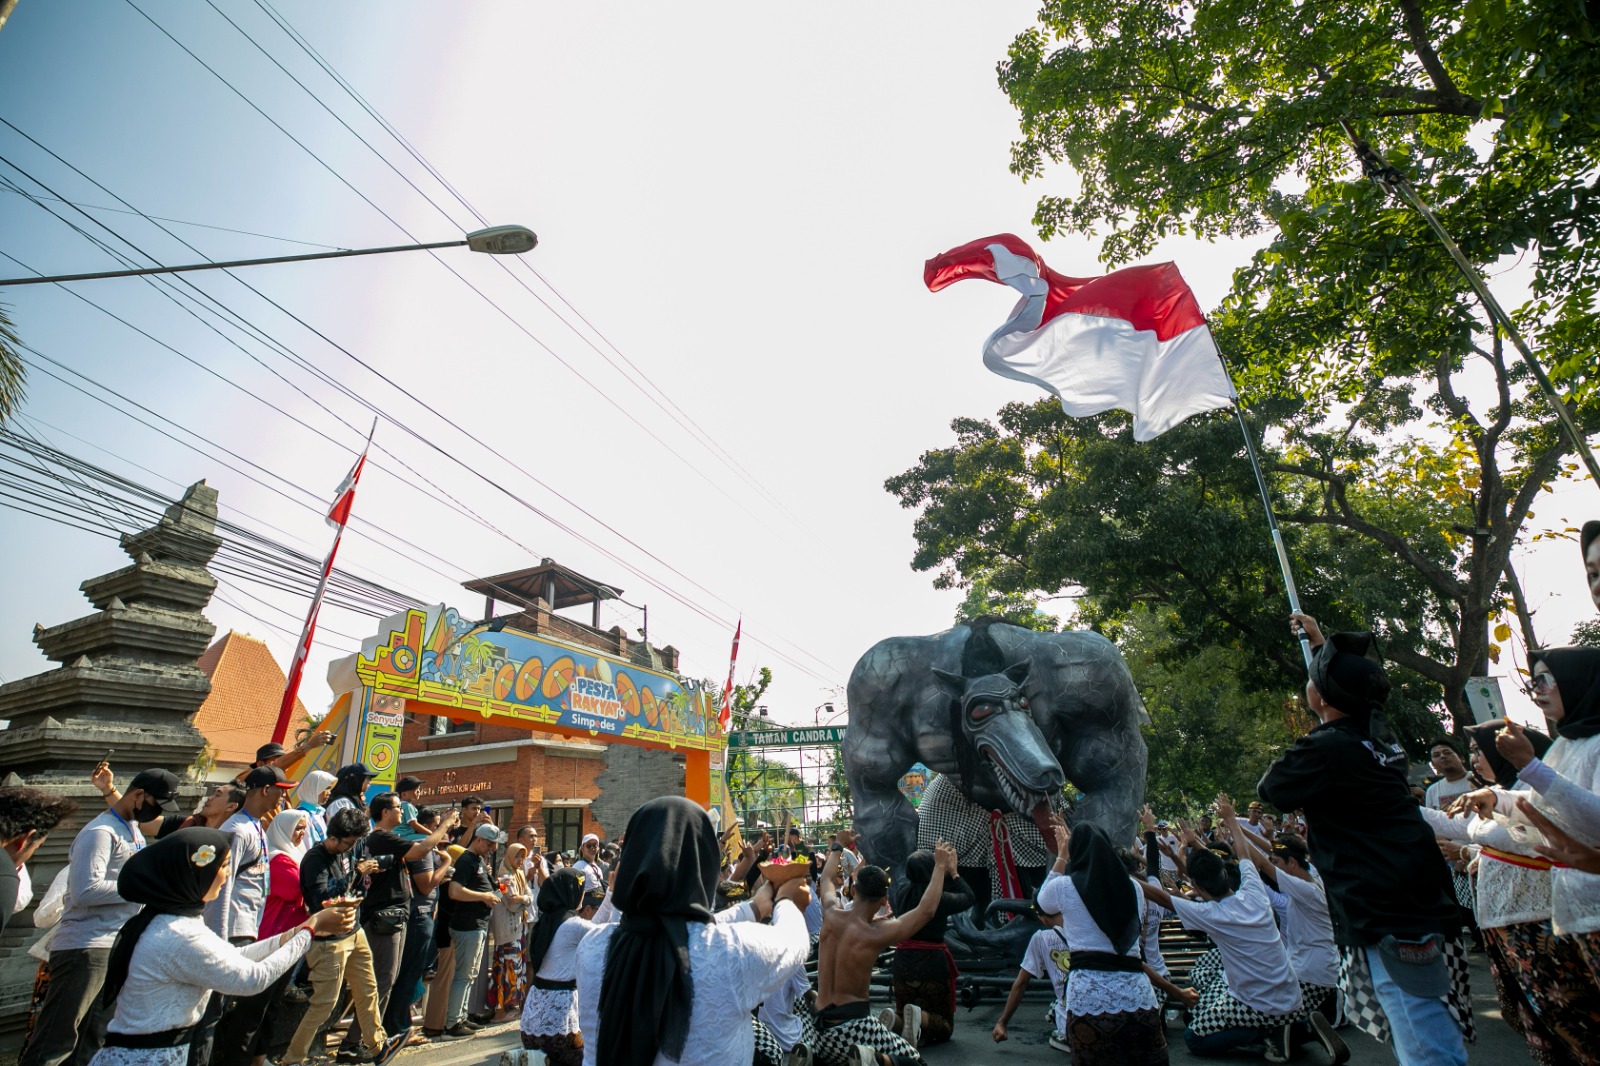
1005	762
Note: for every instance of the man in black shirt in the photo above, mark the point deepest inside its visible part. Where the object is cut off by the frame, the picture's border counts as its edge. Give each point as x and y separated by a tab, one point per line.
331	875
1389	896
386	908
473	890
471	815
417	955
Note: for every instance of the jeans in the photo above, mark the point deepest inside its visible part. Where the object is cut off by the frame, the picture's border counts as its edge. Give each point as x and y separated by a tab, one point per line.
1221	1042
72	1023
413	964
468	945
334	963
1423	1031
385	949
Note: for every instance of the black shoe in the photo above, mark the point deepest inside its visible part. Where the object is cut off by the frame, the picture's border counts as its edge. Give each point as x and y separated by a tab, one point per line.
347	1055
1278	1046
1331	1042
433	1034
391	1047
472	1025
481	1019
457	1031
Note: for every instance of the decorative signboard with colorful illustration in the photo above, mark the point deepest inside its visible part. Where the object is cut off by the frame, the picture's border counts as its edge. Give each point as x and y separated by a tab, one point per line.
437	657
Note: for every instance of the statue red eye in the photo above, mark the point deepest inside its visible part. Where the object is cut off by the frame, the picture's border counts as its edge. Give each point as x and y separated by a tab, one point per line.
982	711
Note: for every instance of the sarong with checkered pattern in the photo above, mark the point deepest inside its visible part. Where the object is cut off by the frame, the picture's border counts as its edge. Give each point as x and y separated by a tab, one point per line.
834	1046
1361	1004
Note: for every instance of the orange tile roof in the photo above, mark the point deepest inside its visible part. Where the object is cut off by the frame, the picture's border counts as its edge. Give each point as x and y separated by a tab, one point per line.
246	691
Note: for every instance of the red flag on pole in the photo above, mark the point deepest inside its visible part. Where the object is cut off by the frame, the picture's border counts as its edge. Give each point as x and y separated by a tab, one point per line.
726	714
338	514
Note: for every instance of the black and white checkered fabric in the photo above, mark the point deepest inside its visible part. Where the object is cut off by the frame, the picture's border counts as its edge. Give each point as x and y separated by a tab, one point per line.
1361	1006
768	1053
945	814
1219	1010
835	1046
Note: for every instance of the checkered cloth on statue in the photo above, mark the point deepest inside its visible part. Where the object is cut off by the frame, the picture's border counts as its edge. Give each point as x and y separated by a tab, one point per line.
1361	1005
946	814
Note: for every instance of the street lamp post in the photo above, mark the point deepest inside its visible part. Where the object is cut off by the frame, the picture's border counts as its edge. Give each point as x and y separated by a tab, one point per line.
496	240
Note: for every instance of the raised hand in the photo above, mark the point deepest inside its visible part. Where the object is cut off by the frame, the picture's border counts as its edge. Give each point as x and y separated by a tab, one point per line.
1225	808
1513	743
1480	802
945	855
1147	818
1560	846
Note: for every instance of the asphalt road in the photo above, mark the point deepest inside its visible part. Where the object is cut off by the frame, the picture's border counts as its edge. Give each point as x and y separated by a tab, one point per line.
1028	1043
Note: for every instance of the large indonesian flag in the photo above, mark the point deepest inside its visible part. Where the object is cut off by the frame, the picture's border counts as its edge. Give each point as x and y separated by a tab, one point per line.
1133	339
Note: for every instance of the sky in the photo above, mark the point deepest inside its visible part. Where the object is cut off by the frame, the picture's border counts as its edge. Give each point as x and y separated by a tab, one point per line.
692	390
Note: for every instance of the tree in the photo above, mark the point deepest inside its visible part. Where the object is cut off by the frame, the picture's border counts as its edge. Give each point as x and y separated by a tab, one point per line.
1352	329
1039	502
983	600
11	370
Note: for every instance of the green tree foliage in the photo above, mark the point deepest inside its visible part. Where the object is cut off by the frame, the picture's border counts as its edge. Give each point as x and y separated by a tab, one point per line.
1586	633
983	600
11	370
1402	430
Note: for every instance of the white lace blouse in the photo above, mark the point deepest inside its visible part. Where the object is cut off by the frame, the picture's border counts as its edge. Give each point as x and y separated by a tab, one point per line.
735	965
1095	991
1574	895
179	962
1508	894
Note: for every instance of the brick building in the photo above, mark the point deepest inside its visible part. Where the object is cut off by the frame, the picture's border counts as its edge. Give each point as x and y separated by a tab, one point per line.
239	713
567	786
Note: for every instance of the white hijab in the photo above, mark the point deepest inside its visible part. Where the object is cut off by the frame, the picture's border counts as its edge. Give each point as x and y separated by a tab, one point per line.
280	835
314	784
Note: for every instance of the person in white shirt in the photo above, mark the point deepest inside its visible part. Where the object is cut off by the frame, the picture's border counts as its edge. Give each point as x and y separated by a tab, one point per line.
666	984
550	1020
73	1016
1306	928
1248	991
1453	780
167	964
1049	956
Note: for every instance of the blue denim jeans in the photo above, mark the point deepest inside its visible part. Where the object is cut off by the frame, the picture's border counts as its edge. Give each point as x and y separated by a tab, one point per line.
1422	1030
468	944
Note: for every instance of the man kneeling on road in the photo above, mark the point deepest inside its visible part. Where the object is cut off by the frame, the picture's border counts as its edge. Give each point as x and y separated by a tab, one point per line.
852	938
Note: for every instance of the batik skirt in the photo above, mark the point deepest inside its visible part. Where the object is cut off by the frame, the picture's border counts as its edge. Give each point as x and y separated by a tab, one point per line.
141	1056
1123	1038
1547	992
508	978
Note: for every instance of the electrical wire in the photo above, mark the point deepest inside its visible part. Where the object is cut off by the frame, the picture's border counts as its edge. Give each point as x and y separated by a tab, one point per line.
197	225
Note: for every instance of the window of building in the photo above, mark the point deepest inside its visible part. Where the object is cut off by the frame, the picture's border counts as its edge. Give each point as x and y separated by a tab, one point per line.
439	726
563	828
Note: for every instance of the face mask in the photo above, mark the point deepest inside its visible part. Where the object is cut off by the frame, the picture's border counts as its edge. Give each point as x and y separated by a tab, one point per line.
147	810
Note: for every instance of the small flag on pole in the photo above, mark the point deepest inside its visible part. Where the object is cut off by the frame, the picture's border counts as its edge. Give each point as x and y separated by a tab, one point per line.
344	499
1134	339
725	716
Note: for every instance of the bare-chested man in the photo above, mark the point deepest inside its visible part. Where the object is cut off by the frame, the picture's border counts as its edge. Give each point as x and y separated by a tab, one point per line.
852	938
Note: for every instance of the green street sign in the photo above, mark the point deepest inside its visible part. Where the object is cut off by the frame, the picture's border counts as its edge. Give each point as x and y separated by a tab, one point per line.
785	738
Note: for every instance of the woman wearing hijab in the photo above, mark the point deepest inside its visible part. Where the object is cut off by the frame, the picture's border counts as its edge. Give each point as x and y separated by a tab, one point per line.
166	963
286	846
924	972
666	984
550	1014
508	976
1112	1010
349	789
311	796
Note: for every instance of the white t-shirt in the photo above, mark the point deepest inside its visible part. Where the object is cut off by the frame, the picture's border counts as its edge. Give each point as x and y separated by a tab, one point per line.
1168	863
1308	930
1049	956
1442	791
1253	956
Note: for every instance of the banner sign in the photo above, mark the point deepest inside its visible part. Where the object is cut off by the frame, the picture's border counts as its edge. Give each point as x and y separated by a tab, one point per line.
785	738
435	656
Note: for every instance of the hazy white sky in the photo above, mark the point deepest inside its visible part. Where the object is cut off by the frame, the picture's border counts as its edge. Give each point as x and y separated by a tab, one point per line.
739	197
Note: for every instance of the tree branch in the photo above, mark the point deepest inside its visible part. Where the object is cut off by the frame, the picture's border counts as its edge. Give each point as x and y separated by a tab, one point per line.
1519	603
1431	669
1416	24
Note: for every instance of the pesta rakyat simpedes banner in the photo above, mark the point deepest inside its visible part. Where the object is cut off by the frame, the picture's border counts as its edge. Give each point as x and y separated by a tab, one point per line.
435	656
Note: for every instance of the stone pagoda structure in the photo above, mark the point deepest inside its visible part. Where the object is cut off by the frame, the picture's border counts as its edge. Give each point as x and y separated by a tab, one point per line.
126	684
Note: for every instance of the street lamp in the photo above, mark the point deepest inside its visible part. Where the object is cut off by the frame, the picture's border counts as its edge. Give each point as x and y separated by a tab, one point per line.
496	240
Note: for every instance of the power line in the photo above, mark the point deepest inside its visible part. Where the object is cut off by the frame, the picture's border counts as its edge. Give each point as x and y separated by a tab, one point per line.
197	225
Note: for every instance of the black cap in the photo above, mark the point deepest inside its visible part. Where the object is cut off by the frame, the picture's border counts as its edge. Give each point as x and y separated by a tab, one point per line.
354	769
267	777
159	785
407	783
269	751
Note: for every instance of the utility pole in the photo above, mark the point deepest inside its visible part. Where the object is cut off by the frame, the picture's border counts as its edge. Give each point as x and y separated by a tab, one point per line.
6	7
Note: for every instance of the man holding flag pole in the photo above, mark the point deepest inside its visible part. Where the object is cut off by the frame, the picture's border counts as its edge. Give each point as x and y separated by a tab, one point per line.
1136	340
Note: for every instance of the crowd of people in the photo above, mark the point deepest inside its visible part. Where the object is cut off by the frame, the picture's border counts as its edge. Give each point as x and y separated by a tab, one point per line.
250	927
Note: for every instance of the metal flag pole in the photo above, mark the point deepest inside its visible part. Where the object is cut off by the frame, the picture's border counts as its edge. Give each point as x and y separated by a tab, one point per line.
1272	520
1391	180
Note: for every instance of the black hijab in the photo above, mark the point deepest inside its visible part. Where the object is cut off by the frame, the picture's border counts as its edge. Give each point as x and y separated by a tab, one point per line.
1577	674
560	897
171	876
666	879
1347	672
1102	882
1505	775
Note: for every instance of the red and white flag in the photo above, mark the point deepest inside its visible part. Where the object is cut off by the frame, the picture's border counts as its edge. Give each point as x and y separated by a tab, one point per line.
344	499
1134	339
726	714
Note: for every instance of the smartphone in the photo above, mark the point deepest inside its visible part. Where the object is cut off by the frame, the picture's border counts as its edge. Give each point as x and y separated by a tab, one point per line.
331	738
109	752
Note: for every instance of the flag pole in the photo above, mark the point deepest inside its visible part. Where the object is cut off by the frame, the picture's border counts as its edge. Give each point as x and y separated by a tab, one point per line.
1266	505
338	515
